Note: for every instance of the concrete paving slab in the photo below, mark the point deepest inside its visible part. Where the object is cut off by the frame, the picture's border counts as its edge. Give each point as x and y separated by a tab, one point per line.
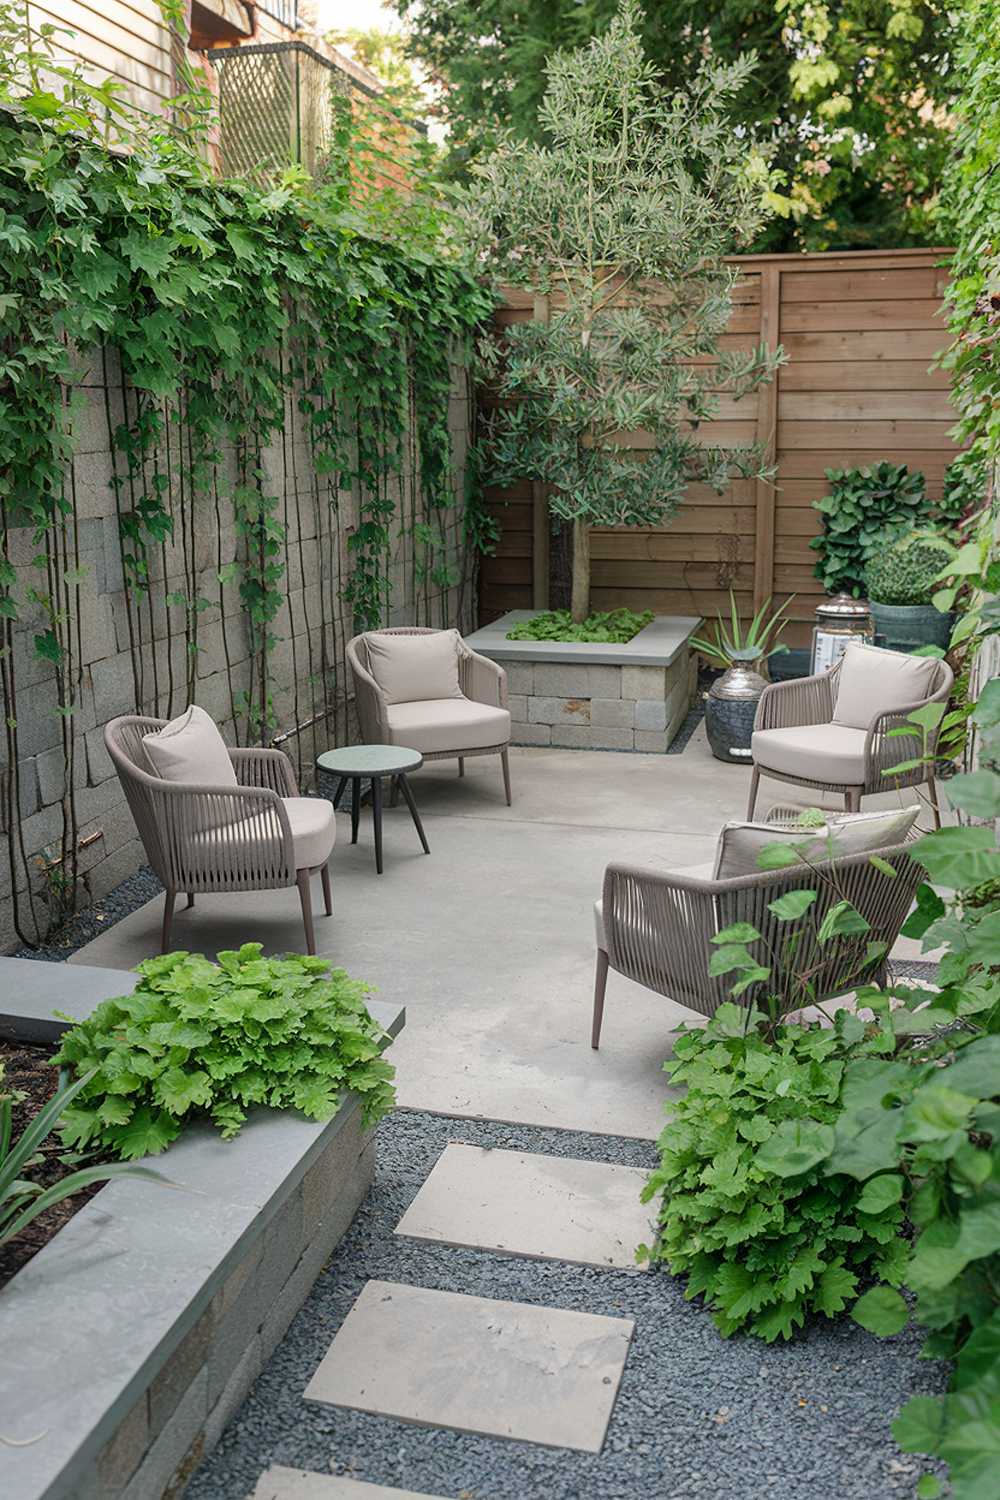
280	1483
501	1369
489	941
546	1207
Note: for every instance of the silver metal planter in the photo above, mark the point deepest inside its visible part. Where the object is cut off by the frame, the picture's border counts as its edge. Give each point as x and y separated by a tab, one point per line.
730	709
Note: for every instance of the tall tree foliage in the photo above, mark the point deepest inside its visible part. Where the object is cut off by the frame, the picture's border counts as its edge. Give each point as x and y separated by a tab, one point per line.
854	95
622	222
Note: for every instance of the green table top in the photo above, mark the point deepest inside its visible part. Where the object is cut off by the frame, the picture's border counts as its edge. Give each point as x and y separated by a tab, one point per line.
369	760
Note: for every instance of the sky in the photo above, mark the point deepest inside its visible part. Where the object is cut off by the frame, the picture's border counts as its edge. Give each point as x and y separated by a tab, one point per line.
360	15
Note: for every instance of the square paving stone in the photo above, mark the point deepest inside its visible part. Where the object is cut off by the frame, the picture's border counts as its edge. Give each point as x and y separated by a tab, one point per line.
549	1207
501	1369
280	1483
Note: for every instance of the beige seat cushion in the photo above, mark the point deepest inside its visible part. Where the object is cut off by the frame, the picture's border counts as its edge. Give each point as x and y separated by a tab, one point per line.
873	681
190	748
314	833
415	668
833	753
692	872
448	724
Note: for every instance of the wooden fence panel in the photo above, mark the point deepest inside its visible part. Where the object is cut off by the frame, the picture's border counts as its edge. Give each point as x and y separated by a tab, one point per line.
859	331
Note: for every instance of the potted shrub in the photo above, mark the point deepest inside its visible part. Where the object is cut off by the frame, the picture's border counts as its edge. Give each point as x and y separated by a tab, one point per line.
902	579
731	704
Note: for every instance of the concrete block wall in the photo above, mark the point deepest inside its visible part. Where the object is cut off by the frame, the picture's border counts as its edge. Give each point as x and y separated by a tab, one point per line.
122	637
600	707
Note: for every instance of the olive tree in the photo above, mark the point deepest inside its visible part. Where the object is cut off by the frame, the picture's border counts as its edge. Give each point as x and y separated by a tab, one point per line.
621	220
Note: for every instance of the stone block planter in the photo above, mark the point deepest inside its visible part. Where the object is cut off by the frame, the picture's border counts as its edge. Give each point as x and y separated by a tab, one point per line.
135	1334
596	696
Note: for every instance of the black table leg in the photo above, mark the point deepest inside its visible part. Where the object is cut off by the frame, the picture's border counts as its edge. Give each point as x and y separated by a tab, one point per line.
404	787
339	792
377	819
355	807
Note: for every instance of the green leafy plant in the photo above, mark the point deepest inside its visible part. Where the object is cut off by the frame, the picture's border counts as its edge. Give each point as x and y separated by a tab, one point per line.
615	625
731	643
619	226
865	508
201	1038
748	1215
22	1200
905	570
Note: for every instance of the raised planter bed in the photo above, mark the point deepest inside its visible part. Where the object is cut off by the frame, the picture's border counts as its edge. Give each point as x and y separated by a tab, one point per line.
135	1334
596	696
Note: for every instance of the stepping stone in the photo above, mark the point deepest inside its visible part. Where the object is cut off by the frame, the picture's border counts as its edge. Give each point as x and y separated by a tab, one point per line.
548	1207
501	1369
280	1483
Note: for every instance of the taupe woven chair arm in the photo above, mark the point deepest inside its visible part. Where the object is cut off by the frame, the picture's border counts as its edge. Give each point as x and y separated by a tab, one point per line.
373	711
216	838
265	768
883	751
481	680
804	700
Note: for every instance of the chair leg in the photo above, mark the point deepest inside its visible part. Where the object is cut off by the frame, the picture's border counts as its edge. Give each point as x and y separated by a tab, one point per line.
933	795
505	763
600	985
327	891
305	899
754	784
461	765
852	799
190	901
169	897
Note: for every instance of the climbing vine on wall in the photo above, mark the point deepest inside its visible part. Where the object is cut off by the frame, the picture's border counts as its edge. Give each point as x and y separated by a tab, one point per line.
227	320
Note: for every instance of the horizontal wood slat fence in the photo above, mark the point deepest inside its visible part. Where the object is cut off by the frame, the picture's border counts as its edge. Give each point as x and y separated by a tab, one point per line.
860	331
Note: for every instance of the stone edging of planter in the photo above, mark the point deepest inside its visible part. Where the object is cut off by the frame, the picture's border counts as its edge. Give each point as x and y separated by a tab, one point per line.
134	1335
596	696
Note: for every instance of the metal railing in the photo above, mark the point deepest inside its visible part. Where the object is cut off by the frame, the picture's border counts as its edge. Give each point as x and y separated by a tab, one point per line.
284	11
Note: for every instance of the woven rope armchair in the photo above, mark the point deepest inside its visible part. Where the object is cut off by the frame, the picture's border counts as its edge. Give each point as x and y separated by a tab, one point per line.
481	682
657	928
810	701
205	838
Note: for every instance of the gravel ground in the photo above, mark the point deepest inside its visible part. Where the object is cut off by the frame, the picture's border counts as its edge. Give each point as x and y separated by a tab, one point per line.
696	1416
126	898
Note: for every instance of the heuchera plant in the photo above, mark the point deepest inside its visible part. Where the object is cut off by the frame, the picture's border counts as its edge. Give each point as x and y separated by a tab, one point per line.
202	1038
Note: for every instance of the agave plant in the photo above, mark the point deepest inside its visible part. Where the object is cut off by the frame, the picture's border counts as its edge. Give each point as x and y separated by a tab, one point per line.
20	1200
733	644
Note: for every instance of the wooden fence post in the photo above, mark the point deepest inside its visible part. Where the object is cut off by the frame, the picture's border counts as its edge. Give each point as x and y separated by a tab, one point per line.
540	528
767	438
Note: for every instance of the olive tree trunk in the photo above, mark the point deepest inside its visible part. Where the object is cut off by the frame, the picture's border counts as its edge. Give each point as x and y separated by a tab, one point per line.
580	597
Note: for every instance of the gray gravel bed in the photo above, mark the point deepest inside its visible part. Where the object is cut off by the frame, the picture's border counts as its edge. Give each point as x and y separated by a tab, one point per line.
696	1416
82	928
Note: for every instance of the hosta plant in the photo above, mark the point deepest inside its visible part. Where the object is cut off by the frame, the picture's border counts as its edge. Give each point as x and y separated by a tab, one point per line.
748	1214
197	1038
22	1200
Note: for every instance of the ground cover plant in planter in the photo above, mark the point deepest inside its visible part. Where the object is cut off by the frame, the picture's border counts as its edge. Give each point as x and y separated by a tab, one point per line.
197	1038
901	581
615	626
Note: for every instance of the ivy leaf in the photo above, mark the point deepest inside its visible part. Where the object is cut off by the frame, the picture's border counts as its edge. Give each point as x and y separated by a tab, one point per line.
959	858
739	932
795	1147
919	1426
976	793
47	646
880	1193
881	1311
929	909
792	905
842	920
148	254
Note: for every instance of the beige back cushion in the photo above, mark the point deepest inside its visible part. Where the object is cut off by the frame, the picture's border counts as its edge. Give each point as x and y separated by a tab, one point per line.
860	833
740	844
873	681
190	748
414	668
853	833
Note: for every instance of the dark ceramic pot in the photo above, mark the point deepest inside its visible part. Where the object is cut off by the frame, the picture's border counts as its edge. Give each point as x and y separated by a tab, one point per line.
907	627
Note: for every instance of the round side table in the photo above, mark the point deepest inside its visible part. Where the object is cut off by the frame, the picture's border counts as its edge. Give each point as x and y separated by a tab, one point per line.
354	764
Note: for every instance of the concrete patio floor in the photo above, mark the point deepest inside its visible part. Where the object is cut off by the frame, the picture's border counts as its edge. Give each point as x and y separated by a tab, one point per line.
488	942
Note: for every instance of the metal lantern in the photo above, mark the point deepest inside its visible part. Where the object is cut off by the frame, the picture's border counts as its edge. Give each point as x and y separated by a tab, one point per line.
839	621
